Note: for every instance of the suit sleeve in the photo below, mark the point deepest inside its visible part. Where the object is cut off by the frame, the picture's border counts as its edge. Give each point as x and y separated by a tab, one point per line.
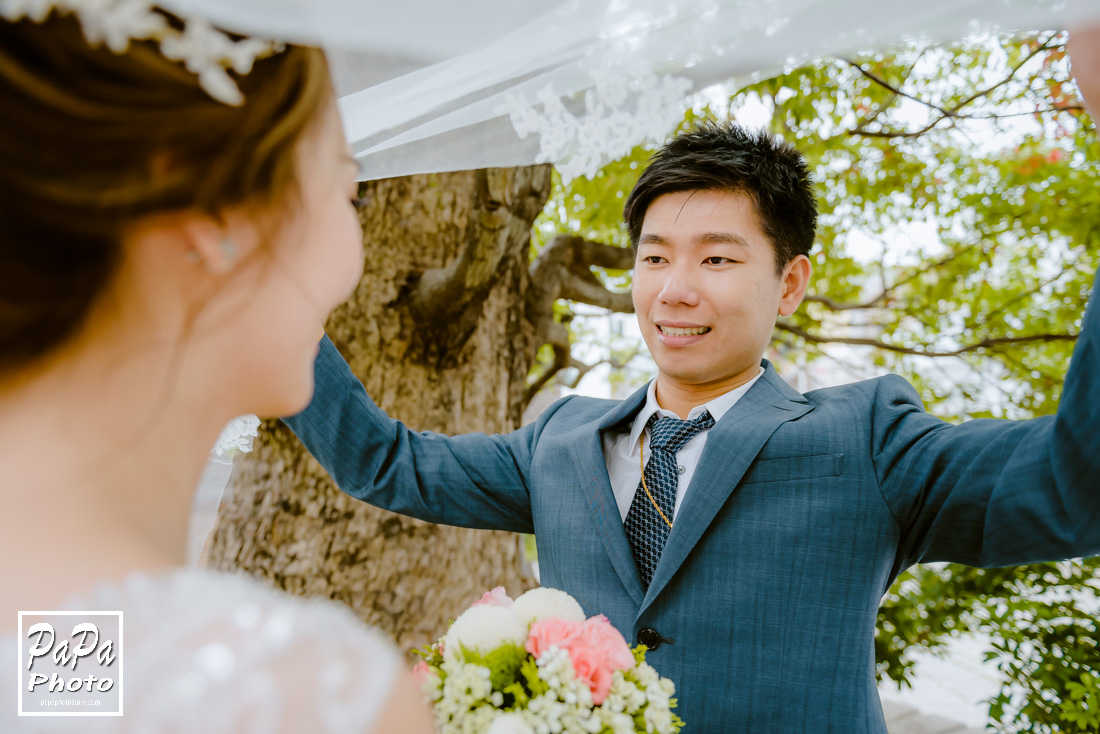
994	492
475	480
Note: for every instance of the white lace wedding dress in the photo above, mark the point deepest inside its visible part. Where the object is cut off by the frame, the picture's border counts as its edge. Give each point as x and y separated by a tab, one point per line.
207	653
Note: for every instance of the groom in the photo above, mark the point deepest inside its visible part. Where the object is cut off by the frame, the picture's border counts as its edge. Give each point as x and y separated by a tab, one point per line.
751	554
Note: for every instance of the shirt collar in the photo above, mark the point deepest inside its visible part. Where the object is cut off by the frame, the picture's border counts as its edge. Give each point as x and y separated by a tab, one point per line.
717	407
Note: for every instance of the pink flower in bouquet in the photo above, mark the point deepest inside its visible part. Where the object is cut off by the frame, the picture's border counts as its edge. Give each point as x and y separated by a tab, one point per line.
421	672
603	636
600	651
547	633
595	648
498	597
589	669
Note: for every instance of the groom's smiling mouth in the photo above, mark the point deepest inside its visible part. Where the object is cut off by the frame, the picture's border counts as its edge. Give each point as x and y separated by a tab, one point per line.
682	329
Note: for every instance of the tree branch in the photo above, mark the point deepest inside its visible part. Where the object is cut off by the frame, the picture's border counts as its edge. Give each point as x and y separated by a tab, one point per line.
582	370
563	270
879	344
557	336
604	256
1023	296
586	288
946	113
896	90
876	302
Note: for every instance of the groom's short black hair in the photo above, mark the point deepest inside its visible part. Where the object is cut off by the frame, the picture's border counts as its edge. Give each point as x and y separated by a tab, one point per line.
726	157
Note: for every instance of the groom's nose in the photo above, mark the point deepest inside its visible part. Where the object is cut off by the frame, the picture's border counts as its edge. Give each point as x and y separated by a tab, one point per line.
681	287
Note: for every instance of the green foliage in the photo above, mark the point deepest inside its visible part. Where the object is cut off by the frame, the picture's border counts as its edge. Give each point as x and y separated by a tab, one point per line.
527	686
505	663
1043	628
639	718
430	653
958	242
1082	710
943	229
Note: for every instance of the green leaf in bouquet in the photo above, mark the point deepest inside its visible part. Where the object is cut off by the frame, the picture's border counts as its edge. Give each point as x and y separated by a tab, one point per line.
530	671
677	722
639	654
519	698
639	719
504	664
430	655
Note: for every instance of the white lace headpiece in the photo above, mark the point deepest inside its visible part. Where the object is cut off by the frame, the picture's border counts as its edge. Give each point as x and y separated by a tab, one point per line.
204	50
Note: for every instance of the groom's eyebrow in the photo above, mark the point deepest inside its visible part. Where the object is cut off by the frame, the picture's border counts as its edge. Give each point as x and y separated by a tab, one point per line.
707	238
722	238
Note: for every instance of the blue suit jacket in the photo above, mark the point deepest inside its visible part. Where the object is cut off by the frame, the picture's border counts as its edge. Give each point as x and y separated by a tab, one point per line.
802	511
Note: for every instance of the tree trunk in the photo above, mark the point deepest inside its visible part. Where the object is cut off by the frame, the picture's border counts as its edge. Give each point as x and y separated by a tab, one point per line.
437	330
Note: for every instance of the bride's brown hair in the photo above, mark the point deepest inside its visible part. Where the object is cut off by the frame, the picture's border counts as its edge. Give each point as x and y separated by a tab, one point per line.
90	141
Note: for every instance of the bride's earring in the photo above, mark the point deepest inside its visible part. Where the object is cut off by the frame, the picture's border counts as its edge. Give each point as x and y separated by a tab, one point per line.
229	250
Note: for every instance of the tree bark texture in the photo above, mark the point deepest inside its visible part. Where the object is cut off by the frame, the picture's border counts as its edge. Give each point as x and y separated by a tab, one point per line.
439	333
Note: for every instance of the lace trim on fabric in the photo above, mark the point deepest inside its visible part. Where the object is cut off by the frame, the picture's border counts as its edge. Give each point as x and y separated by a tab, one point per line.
212	653
620	112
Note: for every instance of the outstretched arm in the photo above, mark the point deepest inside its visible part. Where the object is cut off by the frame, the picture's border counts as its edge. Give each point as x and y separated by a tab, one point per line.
991	493
475	480
994	492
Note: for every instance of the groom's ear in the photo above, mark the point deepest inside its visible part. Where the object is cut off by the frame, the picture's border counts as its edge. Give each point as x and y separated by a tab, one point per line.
795	280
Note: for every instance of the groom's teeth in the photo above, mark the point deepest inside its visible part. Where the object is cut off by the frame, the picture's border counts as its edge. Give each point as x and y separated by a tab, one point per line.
674	331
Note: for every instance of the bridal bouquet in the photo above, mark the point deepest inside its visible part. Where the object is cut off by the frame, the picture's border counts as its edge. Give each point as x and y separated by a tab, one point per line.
537	666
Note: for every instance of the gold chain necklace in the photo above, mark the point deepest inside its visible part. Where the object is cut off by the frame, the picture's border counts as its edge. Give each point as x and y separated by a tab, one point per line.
641	460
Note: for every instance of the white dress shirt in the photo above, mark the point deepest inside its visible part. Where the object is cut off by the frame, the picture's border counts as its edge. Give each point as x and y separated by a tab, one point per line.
620	450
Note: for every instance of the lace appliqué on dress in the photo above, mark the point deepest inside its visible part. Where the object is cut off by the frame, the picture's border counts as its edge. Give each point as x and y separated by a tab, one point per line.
621	110
236	436
211	653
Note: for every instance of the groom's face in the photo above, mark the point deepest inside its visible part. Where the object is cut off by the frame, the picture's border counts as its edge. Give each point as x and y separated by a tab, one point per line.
705	286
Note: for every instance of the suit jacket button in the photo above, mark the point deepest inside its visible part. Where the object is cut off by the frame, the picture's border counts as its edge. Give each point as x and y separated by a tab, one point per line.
649	638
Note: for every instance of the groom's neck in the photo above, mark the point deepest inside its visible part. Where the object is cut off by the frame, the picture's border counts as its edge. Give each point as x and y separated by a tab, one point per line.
680	396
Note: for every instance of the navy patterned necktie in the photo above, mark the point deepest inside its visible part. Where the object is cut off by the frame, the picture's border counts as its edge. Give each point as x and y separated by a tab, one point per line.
646	530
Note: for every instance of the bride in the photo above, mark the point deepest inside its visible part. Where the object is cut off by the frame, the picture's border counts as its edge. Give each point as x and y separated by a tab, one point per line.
173	235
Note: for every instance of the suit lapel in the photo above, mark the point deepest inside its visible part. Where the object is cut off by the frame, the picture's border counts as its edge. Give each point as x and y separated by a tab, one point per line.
732	445
598	493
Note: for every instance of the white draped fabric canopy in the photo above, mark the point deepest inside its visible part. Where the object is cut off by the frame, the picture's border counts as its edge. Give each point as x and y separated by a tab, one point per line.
443	85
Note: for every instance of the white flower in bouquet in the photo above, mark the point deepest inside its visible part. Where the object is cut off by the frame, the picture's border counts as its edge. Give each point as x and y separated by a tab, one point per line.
632	697
646	675
476	721
657	718
483	629
511	723
619	723
546	603
465	686
537	666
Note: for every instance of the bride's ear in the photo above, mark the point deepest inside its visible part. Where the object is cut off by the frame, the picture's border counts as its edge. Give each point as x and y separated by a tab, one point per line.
217	246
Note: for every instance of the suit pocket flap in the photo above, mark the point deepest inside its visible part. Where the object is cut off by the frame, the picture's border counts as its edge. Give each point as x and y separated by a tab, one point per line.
793	468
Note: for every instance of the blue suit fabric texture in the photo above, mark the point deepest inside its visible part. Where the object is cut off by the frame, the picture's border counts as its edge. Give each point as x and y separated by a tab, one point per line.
801	513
